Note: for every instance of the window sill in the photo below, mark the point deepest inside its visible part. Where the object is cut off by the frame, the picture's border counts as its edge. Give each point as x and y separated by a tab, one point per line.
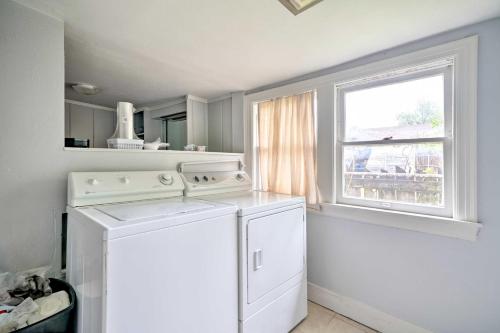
422	223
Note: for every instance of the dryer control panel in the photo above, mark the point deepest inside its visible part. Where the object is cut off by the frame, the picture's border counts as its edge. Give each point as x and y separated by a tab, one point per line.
202	178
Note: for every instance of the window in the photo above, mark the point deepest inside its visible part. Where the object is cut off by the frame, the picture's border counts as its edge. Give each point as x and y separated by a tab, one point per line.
395	141
402	152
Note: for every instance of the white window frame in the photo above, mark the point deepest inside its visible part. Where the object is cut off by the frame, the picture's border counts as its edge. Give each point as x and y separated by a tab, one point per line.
444	68
460	220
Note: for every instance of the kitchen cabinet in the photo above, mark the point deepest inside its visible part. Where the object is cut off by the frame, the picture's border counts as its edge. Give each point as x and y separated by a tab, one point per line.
81	123
197	122
87	121
104	127
220	126
192	108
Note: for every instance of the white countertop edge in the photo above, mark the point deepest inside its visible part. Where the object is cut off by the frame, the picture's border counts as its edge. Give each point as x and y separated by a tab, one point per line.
441	226
108	150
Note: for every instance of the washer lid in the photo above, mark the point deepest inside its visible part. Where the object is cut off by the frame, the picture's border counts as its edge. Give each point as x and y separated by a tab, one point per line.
131	218
147	209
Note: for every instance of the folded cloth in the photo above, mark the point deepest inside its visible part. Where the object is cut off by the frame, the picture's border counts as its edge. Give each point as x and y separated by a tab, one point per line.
7	326
18	317
49	305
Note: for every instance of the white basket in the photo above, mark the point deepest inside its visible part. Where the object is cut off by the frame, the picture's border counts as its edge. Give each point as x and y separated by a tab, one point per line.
125	144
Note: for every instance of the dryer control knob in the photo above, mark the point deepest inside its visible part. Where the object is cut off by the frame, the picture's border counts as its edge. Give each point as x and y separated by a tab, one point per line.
125	180
166	179
93	181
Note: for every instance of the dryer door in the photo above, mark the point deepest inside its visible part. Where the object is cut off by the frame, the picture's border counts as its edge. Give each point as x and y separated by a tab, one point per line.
275	251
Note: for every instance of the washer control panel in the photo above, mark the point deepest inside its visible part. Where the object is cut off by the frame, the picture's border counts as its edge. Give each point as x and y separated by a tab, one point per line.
89	188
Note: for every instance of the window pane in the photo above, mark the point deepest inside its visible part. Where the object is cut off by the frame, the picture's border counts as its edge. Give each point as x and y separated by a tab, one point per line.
404	110
404	173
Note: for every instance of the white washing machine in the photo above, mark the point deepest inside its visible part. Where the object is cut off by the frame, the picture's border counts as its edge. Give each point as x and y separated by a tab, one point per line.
142	258
272	245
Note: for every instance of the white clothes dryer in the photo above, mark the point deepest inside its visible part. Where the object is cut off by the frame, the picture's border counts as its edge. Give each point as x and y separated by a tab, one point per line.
272	245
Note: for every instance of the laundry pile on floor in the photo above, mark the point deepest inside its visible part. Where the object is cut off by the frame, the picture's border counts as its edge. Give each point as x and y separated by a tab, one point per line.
26	298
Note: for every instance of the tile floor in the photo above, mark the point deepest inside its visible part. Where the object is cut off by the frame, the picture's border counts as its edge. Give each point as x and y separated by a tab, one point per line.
322	320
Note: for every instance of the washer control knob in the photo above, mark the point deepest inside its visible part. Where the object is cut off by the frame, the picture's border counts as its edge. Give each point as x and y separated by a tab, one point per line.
205	178
196	179
166	179
93	181
125	180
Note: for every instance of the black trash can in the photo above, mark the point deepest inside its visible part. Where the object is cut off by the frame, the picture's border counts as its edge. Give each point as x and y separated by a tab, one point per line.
61	322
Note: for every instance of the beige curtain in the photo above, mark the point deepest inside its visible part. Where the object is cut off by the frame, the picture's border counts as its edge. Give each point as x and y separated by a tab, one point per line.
287	146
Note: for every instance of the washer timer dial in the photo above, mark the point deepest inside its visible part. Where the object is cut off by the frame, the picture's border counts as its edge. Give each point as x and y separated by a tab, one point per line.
166	179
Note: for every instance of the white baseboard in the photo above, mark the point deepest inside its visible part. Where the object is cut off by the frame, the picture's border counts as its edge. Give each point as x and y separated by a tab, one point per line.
360	312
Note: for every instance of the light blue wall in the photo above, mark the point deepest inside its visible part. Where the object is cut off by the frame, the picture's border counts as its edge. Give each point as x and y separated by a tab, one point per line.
441	284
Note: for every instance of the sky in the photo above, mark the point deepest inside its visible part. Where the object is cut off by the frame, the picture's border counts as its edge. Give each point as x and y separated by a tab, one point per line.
379	106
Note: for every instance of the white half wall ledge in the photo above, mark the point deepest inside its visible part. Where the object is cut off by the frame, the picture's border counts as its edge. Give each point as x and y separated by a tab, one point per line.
170	153
360	312
441	226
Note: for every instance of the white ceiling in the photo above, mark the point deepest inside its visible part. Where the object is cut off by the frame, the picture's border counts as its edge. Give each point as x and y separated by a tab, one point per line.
144	51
